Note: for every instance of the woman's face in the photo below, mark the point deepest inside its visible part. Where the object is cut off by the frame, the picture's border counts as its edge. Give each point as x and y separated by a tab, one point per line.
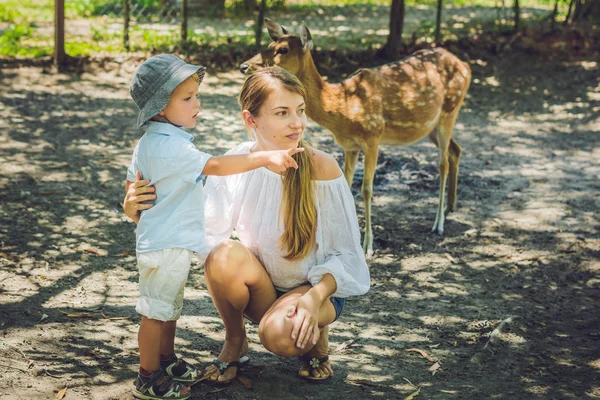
280	121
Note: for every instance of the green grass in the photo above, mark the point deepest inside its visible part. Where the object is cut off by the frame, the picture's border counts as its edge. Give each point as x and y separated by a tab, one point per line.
28	25
428	3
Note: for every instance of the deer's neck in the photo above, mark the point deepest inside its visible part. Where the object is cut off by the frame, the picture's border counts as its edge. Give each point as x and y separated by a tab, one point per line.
325	100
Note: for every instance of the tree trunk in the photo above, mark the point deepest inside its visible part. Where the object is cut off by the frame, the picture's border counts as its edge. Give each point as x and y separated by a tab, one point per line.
184	20
393	48
260	21
206	7
586	11
126	20
517	11
438	22
249	6
569	13
60	58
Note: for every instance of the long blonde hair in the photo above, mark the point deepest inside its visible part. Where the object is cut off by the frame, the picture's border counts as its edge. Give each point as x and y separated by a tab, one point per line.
298	204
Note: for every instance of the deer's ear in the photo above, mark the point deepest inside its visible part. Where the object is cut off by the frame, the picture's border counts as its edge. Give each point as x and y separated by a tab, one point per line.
275	30
305	37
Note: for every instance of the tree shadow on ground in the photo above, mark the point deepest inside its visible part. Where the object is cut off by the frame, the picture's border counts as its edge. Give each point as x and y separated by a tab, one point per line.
523	242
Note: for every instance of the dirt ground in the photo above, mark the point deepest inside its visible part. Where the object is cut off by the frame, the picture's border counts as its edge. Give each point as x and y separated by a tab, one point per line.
506	305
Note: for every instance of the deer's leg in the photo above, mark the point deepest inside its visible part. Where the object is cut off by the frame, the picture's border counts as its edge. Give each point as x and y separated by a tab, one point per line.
350	159
442	141
371	153
454	151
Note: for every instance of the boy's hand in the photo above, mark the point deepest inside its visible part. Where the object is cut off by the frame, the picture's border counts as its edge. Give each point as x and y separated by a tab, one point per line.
280	160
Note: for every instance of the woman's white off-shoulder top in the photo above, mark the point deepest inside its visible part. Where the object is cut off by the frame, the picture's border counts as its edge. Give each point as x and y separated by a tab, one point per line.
249	203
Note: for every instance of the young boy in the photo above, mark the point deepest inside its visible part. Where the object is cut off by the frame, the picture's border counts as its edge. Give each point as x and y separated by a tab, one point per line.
165	89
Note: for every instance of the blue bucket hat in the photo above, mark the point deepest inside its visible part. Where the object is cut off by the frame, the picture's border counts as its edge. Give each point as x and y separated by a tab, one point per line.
155	80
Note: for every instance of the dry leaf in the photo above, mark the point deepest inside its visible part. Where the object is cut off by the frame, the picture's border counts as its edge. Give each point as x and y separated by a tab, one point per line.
434	368
114	318
91	250
424	354
365	383
344	345
125	253
452	259
84	315
218	390
245	381
413	395
9	257
61	394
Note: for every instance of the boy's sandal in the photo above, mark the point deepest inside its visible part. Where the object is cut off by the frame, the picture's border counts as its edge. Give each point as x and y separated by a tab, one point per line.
223	366
181	371
159	386
314	363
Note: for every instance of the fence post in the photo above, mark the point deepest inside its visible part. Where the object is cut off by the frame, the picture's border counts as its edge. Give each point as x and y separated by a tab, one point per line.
259	23
517	11
59	34
438	23
184	15
126	18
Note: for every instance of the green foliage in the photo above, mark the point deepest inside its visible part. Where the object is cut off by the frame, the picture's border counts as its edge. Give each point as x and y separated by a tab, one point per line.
15	42
9	14
82	48
24	11
31	24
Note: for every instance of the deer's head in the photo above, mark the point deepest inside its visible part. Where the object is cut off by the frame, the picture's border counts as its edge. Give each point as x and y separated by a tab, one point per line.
287	51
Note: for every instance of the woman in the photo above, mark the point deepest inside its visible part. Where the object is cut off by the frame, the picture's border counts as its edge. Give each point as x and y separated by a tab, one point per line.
298	254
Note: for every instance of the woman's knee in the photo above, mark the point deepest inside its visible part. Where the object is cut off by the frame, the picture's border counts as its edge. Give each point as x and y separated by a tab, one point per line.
225	259
275	331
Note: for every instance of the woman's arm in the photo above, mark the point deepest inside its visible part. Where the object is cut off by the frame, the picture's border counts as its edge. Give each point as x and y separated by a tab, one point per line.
339	252
307	308
341	268
136	193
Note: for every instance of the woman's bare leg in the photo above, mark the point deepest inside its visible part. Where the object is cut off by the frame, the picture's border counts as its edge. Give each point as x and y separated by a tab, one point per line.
238	285
275	332
320	350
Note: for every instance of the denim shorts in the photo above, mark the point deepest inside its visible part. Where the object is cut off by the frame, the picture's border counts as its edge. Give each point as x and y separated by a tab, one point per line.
338	303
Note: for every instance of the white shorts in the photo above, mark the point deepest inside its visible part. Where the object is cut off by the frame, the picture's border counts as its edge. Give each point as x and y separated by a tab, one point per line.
163	275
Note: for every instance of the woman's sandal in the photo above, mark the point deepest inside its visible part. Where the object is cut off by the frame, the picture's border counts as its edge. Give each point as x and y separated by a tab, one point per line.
314	363
223	366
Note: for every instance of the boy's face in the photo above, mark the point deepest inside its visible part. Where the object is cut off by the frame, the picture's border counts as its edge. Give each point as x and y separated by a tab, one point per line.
184	105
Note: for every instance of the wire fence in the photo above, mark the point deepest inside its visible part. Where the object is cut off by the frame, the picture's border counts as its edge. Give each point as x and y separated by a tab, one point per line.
96	27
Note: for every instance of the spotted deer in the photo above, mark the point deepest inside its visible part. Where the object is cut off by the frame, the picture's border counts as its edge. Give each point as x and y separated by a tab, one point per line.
397	103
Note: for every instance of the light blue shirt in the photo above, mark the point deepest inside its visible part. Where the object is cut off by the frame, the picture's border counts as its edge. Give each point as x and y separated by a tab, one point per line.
167	157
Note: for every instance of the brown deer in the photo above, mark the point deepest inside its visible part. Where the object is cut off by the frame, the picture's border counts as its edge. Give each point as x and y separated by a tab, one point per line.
397	103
